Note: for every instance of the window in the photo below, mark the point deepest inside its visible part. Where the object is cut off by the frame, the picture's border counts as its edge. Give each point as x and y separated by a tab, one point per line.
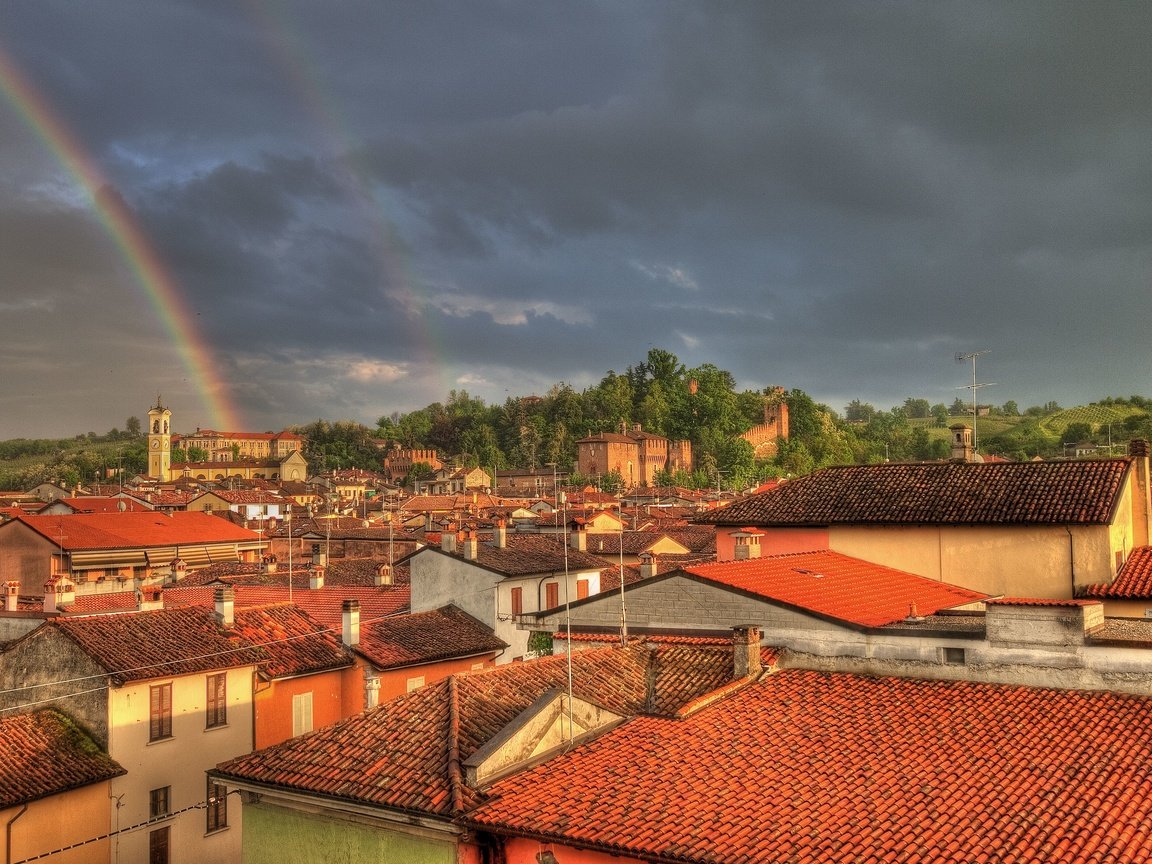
301	714
216	713
217	802
953	656
517	601
415	683
581	589
158	802
160	714
158	846
551	595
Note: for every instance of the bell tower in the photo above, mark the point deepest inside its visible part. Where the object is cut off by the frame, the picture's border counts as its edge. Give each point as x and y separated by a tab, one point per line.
159	441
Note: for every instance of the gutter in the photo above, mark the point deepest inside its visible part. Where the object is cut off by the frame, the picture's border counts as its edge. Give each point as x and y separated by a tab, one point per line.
8	833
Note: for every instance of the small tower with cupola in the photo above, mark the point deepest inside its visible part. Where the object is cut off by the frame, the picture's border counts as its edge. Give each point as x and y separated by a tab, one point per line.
159	441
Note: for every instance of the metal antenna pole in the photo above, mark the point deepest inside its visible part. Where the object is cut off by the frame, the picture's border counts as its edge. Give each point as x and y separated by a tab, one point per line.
973	387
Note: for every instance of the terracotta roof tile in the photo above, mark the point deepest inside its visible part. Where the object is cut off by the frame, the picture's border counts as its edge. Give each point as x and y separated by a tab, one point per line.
398	755
295	643
425	637
530	554
145	645
812	767
1081	492
45	753
1133	582
134	530
836	586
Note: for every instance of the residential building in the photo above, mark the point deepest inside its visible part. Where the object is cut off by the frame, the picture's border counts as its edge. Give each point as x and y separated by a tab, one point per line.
105	552
453	481
167	694
251	505
497	582
1024	529
55	784
388	785
800	765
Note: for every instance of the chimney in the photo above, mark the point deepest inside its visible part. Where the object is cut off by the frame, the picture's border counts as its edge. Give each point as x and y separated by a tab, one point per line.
148	598
371	689
471	546
268	564
577	537
500	535
350	633
747	544
11	596
448	538
225	597
179	569
383	575
647	565
962	445
319	556
746	651
316	578
1142	497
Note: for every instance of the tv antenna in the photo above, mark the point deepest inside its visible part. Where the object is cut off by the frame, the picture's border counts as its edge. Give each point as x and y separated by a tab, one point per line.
961	357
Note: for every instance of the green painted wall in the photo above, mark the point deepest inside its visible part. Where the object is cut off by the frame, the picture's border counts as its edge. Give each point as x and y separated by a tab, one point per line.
273	835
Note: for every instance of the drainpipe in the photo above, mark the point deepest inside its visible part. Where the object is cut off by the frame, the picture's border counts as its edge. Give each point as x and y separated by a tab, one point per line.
8	834
1071	560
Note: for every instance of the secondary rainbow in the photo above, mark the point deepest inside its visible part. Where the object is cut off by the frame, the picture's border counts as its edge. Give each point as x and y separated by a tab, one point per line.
124	230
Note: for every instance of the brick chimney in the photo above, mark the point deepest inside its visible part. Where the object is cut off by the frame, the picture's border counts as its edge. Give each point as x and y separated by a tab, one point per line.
350	631
747	544
225	598
471	546
268	564
500	534
746	651
11	596
577	536
648	565
383	575
316	577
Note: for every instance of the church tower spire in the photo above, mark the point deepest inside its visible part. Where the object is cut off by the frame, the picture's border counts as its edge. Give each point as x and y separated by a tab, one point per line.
159	441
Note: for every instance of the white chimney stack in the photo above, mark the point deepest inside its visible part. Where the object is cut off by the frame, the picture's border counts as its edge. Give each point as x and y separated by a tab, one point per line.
225	598
316	578
350	632
11	596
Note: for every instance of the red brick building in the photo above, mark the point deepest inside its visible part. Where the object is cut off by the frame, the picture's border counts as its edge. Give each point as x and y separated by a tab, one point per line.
637	455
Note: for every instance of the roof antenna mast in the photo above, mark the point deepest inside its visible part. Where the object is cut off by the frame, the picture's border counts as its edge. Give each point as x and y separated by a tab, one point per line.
973	387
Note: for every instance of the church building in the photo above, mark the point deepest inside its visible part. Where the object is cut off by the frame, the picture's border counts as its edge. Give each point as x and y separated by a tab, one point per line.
238	455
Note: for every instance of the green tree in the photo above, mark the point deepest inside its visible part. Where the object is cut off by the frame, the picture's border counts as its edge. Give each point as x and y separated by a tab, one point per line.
859	412
132	427
917	408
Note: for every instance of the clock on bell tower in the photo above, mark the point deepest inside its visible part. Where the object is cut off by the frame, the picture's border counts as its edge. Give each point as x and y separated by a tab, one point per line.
159	441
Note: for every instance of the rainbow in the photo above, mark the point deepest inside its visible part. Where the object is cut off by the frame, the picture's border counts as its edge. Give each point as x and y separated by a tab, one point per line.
122	227
289	51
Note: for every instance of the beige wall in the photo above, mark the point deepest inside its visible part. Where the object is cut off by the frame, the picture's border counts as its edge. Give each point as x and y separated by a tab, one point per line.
62	820
1015	561
178	762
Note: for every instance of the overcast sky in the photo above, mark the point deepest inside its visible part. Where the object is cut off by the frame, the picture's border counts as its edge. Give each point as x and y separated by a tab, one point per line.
364	205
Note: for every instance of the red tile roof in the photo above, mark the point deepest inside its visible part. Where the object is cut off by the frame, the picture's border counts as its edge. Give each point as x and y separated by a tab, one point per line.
295	643
134	530
528	555
1133	582
836	586
1082	492
144	645
102	504
45	753
425	637
812	767
406	754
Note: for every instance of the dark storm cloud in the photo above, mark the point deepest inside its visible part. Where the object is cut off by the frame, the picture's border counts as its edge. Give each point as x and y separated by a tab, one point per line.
366	205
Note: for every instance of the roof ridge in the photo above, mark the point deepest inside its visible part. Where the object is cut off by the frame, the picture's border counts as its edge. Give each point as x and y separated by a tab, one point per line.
455	774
